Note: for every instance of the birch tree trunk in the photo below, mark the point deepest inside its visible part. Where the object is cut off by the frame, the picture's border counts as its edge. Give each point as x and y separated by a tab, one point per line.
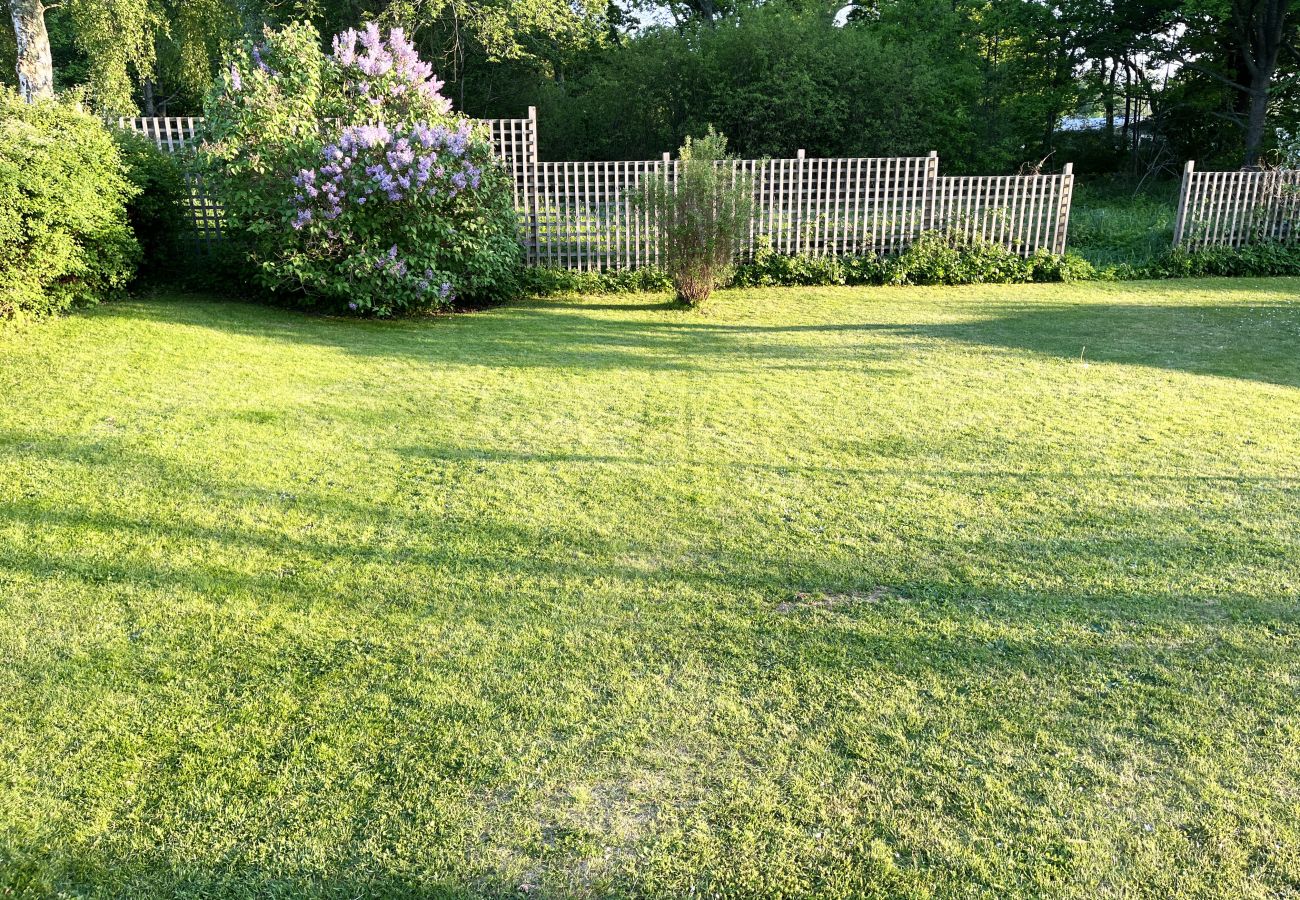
35	66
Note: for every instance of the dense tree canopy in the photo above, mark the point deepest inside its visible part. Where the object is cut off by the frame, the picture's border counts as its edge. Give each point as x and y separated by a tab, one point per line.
994	85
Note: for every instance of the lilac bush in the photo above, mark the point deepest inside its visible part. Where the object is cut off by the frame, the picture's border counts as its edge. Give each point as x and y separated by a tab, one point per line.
348	181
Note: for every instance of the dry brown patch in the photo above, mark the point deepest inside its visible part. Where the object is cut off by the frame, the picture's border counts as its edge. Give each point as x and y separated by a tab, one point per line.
808	600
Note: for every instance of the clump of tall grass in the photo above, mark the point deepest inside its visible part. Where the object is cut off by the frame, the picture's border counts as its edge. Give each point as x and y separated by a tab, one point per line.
1112	223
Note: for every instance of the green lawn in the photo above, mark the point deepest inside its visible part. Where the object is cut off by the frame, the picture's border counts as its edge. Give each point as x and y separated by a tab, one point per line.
982	592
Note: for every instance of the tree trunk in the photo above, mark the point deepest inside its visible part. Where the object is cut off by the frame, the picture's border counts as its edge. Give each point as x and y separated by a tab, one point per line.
35	66
150	107
1261	33
1256	119
1109	104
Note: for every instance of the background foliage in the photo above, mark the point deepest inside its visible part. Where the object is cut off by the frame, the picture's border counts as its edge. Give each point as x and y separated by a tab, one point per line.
155	213
995	85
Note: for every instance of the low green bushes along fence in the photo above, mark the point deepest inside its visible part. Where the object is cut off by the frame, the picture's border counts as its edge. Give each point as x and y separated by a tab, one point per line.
937	258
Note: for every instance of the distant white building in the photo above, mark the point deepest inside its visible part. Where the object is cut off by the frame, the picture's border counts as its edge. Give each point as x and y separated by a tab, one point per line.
1088	123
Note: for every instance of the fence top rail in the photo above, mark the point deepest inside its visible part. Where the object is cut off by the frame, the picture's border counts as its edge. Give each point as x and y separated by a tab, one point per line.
1003	178
196	121
759	160
1200	175
173	132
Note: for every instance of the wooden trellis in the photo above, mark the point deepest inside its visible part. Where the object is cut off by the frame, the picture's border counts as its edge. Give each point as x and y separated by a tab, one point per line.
583	214
1232	209
1026	213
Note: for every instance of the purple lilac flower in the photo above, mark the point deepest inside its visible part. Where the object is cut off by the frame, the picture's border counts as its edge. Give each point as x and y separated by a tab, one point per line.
236	83
304	217
345	47
397	58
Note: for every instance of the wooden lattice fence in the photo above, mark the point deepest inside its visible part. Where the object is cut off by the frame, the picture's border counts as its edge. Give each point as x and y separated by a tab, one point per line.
582	215
1232	209
1026	213
514	141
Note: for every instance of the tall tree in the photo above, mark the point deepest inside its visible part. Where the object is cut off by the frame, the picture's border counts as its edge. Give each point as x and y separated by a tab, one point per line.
35	65
116	38
1240	43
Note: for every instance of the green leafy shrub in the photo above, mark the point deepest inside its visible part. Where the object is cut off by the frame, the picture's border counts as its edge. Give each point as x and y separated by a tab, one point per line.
63	196
1114	221
954	257
702	217
155	213
337	212
1252	260
940	259
543	280
1066	267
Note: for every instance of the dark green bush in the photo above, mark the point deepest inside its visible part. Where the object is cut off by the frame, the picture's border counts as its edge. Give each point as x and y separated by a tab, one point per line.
937	258
155	214
1066	267
767	268
63	219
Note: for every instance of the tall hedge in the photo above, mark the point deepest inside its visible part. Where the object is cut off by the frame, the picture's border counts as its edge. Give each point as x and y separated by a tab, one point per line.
63	220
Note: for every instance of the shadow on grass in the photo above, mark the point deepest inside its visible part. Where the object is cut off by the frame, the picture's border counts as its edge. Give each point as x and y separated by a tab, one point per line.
420	533
560	336
1259	341
36	873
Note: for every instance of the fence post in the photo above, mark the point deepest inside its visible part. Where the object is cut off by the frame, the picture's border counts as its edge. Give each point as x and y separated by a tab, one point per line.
529	167
1063	207
800	180
928	190
1184	196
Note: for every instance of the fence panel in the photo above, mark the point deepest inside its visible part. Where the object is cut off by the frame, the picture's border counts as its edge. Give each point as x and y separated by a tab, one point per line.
205	214
1232	209
584	215
1025	213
